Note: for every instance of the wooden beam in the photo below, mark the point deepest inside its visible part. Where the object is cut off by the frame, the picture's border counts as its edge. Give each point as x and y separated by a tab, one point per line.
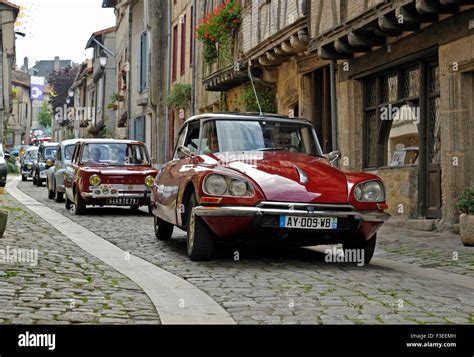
409	15
330	53
456	2
342	46
364	39
434	7
390	24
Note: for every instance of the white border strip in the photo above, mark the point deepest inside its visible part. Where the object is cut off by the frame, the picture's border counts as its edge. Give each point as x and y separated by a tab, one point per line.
176	300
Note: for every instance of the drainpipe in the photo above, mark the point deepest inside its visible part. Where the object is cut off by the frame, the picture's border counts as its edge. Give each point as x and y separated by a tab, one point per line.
193	65
168	81
129	84
333	105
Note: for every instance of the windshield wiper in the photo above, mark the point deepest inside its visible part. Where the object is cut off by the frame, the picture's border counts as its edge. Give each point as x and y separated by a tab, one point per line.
272	149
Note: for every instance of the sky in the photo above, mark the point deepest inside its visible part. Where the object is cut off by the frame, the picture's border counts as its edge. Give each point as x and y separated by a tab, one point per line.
59	28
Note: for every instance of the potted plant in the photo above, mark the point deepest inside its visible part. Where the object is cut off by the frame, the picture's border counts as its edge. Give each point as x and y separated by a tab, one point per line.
115	99
466	219
3	222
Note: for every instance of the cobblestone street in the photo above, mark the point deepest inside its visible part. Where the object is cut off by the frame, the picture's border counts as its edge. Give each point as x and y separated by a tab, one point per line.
267	285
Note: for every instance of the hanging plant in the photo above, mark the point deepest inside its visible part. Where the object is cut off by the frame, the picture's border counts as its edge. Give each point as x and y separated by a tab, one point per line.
180	97
214	29
266	96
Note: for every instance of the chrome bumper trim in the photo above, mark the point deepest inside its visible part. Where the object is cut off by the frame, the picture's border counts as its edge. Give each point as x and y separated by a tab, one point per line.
120	195
241	211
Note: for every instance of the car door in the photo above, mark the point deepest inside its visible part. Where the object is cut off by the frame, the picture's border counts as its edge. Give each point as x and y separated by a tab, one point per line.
70	172
174	175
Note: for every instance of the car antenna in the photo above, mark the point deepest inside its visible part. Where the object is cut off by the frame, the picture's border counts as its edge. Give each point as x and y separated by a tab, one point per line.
249	69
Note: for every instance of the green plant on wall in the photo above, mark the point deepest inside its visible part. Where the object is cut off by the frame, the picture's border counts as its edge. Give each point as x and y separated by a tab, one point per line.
215	30
180	97
266	96
114	101
45	116
466	202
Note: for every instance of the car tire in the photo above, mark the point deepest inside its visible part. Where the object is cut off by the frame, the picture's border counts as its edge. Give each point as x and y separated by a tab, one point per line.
150	209
34	179
39	183
200	242
68	204
163	229
368	246
80	205
23	178
50	192
59	196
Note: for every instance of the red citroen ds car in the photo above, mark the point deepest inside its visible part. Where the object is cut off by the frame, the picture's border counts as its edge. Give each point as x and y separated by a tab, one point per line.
109	172
252	176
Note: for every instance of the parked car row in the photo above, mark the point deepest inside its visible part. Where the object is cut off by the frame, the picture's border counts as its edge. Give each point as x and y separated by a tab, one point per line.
231	176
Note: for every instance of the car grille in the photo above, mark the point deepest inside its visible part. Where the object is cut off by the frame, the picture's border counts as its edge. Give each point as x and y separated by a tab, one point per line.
309	207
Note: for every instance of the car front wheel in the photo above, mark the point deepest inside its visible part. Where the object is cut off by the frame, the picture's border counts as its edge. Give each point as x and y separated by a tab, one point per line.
80	205
58	196
23	178
200	242
367	247
39	183
163	229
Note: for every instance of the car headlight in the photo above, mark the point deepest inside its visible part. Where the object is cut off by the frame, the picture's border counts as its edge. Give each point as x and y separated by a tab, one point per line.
237	188
370	191
49	162
219	185
149	181
95	180
29	165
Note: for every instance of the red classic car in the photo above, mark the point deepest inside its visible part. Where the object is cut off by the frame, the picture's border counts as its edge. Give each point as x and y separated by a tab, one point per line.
109	172
251	176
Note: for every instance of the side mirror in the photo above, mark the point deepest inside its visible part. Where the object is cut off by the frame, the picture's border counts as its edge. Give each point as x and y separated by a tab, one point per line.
334	156
184	152
7	156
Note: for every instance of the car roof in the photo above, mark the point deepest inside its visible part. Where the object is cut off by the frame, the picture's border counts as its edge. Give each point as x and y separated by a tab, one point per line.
47	145
32	148
109	141
247	116
69	142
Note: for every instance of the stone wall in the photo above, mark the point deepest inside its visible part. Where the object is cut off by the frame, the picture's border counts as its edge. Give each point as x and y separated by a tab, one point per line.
401	187
457	121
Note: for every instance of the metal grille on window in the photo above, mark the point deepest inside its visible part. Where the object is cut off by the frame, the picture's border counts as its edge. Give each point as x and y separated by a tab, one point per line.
411	82
372	135
390	88
371	92
435	150
434	79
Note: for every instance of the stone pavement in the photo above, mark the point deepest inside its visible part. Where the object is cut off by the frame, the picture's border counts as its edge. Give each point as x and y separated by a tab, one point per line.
268	285
55	282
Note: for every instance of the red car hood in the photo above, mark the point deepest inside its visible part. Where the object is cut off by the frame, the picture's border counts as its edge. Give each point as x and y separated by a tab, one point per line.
281	176
122	170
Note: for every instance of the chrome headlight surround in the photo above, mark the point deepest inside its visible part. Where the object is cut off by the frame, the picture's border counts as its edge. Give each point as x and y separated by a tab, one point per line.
95	180
370	191
222	185
149	181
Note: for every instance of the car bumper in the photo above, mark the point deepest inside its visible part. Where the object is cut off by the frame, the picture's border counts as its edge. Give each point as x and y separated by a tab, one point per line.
243	220
142	198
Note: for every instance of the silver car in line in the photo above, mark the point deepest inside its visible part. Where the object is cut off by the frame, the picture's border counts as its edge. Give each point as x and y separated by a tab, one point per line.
55	174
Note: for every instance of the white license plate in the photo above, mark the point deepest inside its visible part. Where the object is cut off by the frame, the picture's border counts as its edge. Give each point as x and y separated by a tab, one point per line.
122	201
308	222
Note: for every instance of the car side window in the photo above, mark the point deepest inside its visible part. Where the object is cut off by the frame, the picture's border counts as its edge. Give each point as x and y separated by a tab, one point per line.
179	142
192	137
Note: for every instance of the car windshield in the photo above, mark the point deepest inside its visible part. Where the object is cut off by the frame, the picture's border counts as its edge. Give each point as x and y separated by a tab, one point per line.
50	153
68	152
261	135
32	154
115	154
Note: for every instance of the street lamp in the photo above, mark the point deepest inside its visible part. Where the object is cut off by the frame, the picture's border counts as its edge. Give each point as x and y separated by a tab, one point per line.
70	93
103	59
